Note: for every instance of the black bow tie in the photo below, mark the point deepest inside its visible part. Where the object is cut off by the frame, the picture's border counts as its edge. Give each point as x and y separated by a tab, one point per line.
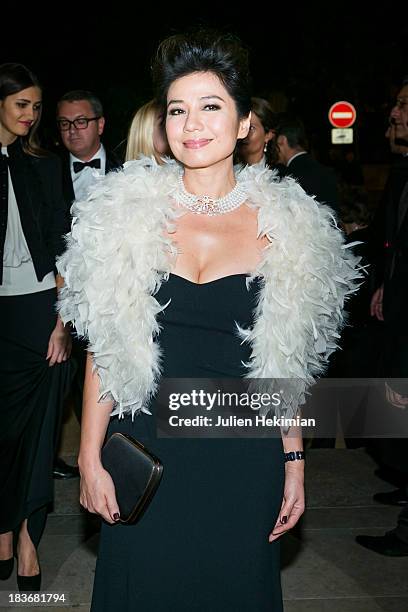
78	166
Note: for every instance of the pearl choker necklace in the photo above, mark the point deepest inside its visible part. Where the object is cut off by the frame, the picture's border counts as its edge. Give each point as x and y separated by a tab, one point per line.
204	205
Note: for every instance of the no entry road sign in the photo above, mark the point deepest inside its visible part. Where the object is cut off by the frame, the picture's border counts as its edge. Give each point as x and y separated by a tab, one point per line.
342	114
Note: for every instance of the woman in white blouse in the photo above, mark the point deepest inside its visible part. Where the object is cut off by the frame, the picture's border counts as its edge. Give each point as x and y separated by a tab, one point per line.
34	345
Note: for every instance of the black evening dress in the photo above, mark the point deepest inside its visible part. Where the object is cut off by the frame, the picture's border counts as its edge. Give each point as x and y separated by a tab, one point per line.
203	543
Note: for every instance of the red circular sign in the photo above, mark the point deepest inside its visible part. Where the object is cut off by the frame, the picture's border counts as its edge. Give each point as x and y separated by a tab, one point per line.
342	114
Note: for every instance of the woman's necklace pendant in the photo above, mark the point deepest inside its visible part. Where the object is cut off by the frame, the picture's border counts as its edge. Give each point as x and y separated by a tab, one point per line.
205	205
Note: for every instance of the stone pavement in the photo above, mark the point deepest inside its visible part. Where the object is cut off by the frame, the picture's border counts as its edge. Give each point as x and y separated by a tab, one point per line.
324	570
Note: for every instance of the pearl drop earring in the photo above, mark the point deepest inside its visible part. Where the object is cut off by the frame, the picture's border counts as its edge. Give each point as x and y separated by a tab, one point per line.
265	147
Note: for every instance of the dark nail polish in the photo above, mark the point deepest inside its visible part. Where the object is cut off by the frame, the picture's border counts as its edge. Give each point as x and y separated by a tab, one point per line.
116	516
284	519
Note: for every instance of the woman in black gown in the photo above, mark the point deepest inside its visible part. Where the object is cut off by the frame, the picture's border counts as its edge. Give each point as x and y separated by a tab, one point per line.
34	345
206	277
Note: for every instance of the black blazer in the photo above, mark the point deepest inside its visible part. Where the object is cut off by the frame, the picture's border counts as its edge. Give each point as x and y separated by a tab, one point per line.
37	187
112	163
396	274
385	224
316	179
395	312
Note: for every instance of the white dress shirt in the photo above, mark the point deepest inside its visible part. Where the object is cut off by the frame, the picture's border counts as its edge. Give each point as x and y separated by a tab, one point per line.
83	180
295	155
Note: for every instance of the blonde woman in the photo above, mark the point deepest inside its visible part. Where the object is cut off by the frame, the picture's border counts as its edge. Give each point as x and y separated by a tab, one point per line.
146	135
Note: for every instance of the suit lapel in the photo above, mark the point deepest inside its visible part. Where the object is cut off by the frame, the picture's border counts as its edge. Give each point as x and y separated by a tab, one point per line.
67	187
112	162
402	206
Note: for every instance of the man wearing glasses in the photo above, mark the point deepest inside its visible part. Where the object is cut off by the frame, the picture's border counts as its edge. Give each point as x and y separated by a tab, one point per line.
81	123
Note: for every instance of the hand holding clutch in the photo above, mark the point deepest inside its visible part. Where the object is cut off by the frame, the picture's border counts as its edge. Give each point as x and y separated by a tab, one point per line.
136	474
97	492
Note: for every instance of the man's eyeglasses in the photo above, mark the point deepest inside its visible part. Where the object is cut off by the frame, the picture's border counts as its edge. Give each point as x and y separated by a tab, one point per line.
79	124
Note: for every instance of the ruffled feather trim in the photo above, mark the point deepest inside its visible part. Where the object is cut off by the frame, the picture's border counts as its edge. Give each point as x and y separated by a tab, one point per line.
308	274
118	254
116	258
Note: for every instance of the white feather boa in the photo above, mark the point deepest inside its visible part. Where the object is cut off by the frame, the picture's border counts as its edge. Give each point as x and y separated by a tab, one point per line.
117	257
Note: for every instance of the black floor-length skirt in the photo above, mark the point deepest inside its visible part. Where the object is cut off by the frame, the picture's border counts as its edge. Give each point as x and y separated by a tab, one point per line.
31	396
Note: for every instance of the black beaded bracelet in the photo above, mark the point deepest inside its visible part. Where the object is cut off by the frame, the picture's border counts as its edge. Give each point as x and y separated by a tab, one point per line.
294	456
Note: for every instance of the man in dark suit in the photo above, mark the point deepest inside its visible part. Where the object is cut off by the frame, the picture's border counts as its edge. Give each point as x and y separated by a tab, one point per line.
390	304
317	180
81	124
395	542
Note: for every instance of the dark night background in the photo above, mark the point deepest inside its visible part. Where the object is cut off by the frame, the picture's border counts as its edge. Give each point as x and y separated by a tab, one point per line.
310	55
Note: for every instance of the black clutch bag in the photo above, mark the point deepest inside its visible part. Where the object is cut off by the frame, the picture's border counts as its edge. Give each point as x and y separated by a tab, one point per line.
136	474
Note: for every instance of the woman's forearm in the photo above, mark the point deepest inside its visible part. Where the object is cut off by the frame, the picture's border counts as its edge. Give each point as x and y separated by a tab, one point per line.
59	281
292	440
95	419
